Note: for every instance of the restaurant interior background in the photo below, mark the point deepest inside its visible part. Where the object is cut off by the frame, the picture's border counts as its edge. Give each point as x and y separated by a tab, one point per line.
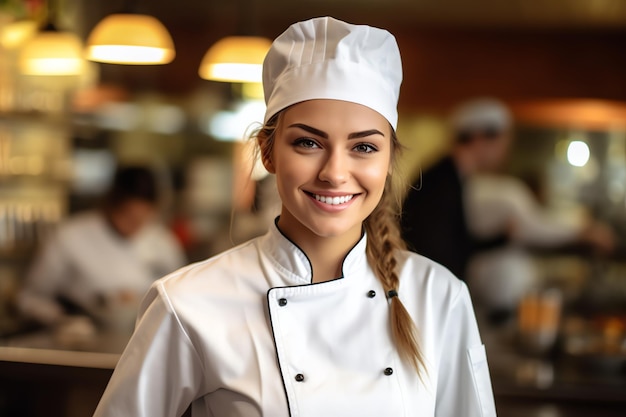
559	65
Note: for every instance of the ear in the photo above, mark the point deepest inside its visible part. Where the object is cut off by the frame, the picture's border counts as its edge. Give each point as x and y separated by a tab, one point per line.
268	164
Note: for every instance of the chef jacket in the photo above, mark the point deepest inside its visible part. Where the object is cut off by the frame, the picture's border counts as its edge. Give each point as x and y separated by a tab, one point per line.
86	260
497	204
247	333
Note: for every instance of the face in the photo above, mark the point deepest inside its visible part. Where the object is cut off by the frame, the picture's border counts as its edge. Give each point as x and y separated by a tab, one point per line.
494	151
131	216
331	159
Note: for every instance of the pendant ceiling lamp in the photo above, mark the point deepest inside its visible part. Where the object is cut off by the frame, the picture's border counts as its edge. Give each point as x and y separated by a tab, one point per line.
238	59
235	59
52	52
128	38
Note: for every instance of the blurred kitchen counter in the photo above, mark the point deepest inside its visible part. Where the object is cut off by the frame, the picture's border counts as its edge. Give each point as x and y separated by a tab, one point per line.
46	374
552	385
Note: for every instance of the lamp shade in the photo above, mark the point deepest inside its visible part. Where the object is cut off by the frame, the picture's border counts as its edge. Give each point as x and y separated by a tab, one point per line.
52	52
130	39
235	59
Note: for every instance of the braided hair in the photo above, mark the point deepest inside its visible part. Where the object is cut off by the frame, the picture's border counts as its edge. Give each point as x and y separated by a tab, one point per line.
383	243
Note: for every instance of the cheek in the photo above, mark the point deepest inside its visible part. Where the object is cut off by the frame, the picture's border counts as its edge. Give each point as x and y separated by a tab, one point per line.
376	175
289	173
379	169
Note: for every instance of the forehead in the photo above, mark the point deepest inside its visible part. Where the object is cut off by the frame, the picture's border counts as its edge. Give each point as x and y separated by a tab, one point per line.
136	205
336	115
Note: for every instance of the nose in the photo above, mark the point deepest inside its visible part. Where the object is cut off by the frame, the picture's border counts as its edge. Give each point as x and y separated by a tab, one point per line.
335	169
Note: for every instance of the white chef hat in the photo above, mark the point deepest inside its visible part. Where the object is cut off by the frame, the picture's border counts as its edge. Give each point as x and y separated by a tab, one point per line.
325	58
481	113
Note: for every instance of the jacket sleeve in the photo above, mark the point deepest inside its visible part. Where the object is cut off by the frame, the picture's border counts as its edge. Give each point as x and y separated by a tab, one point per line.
464	384
160	372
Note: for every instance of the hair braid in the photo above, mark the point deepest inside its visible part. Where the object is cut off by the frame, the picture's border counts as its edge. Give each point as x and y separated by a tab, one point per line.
383	241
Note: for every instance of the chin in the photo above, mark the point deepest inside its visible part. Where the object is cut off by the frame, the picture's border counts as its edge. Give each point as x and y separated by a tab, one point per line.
333	229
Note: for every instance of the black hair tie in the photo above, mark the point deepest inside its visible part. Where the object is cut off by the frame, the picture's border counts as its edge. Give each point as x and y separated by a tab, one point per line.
392	293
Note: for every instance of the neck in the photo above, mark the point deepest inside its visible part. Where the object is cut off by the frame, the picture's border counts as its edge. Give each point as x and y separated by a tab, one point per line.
108	217
464	161
325	253
327	256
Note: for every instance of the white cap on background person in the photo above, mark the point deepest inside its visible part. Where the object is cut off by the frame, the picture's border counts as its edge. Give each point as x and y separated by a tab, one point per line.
481	113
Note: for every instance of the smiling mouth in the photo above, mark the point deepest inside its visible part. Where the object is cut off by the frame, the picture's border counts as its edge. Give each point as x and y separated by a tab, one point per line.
332	201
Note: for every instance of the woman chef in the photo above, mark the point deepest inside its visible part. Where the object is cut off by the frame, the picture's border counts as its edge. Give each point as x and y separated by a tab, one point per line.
327	314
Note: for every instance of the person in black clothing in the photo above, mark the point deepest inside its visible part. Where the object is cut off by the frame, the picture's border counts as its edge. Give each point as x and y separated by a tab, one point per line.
433	221
433	217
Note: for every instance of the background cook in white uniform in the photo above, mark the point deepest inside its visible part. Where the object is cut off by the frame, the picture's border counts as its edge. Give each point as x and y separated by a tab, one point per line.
500	205
98	255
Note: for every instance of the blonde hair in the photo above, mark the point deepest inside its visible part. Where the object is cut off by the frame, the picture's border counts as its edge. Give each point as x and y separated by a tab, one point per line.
383	243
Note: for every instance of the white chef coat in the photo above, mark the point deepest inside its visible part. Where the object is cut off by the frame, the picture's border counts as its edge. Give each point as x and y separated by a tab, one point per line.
246	333
500	204
494	205
86	260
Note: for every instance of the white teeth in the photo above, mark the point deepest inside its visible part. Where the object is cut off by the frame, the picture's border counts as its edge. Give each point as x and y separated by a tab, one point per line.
333	201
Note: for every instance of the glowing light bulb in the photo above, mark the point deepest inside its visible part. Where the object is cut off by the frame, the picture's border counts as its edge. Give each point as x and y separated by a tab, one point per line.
578	153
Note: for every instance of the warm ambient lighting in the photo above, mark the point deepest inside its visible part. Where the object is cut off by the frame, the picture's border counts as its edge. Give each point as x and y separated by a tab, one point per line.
232	125
14	34
130	39
52	52
235	59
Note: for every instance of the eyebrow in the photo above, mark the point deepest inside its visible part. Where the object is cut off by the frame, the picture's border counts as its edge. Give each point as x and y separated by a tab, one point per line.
320	133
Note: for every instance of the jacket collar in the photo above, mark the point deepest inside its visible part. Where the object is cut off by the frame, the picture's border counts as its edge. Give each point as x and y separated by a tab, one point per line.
295	266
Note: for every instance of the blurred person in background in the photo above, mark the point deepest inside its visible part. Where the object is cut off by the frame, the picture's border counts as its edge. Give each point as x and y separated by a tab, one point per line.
434	221
497	204
102	259
479	222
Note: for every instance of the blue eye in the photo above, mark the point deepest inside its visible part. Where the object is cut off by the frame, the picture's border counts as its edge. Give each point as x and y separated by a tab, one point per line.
365	148
306	143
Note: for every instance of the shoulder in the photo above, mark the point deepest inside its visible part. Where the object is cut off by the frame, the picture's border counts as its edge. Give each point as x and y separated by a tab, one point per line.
81	224
440	179
496	184
506	190
213	275
157	233
444	168
428	279
203	293
420	266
